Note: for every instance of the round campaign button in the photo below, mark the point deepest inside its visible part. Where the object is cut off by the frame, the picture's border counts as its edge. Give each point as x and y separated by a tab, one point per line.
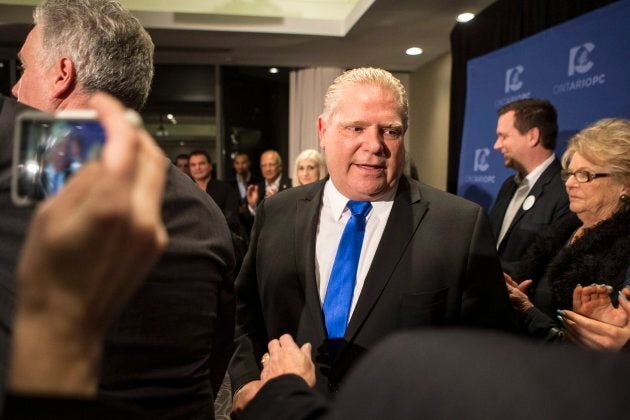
529	202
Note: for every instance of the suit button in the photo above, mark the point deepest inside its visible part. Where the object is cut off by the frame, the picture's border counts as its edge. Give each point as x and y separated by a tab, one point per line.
333	386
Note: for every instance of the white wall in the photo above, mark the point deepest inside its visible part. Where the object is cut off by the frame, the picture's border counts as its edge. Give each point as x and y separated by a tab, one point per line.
429	103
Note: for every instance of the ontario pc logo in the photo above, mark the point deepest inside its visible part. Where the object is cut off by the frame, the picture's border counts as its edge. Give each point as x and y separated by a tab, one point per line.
579	62
513	80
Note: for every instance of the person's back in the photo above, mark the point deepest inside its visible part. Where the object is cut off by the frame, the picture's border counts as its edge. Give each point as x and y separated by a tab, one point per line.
170	348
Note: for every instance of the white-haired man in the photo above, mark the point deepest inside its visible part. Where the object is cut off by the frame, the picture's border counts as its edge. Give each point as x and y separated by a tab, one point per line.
345	261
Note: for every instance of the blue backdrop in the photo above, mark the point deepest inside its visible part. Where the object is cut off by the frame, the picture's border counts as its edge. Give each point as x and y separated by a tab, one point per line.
581	66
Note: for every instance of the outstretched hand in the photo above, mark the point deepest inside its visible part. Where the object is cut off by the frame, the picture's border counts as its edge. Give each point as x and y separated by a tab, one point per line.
285	357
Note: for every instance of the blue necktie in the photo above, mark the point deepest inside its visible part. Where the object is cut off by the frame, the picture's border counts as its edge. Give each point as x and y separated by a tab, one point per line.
344	272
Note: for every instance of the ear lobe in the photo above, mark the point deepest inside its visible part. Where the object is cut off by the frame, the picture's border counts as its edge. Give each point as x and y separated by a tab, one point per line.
65	78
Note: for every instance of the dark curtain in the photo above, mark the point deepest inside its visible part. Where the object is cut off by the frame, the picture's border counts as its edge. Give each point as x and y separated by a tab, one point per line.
500	24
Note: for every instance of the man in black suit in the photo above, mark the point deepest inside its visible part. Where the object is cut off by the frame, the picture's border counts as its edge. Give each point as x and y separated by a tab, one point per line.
535	197
243	176
201	171
424	257
157	354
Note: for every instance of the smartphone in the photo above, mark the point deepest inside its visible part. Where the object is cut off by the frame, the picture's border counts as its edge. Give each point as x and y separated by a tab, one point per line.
49	149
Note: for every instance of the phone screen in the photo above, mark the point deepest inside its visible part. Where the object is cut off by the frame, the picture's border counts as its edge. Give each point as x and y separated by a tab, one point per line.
50	151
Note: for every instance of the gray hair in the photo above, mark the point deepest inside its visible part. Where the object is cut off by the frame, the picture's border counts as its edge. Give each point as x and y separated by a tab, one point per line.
368	76
109	48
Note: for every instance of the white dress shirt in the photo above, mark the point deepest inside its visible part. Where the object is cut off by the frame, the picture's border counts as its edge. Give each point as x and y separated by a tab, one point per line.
332	220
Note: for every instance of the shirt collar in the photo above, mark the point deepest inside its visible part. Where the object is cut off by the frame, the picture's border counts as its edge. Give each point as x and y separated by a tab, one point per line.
338	201
533	176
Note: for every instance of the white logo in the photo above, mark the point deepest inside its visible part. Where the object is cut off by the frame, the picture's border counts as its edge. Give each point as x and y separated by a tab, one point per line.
512	79
481	164
578	58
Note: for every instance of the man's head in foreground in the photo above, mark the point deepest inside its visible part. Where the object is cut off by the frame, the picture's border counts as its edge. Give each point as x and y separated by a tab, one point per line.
79	47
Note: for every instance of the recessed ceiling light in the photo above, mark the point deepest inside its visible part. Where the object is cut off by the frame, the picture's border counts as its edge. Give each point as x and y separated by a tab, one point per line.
414	51
465	17
273	70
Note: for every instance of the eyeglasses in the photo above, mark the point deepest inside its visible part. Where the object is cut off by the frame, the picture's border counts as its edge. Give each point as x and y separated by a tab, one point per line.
581	176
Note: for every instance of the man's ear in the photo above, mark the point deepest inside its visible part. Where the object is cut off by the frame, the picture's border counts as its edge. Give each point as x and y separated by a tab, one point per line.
533	136
321	130
65	78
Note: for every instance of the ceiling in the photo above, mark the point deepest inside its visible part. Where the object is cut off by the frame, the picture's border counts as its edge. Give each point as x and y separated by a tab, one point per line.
282	33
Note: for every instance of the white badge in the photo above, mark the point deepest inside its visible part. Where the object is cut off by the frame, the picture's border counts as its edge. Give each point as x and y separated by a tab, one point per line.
529	202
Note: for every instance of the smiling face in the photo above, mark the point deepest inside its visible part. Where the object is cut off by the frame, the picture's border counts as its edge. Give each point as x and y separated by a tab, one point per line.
307	171
593	201
510	142
363	142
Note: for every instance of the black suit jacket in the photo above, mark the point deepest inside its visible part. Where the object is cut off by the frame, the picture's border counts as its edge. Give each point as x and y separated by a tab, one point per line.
551	203
253	180
435	265
171	345
461	375
247	220
285	183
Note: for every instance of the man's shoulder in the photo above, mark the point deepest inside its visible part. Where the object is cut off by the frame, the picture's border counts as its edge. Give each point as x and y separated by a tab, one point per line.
294	194
443	199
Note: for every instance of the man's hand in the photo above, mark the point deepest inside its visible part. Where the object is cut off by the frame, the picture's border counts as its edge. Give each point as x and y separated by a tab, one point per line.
87	251
252	195
285	357
594	302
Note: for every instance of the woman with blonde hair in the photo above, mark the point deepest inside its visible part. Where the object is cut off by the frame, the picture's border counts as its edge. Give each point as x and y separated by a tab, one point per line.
309	167
590	245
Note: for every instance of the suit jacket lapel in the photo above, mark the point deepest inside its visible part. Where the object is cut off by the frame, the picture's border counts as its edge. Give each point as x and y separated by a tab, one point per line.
407	212
306	220
536	191
500	207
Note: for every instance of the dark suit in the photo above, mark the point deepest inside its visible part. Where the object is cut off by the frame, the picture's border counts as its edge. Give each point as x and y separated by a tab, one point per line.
551	203
246	218
253	180
435	265
461	375
157	354
227	200
285	183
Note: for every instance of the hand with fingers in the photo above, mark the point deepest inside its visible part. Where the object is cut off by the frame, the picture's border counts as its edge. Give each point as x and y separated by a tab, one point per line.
594	302
595	334
252	195
285	357
518	295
